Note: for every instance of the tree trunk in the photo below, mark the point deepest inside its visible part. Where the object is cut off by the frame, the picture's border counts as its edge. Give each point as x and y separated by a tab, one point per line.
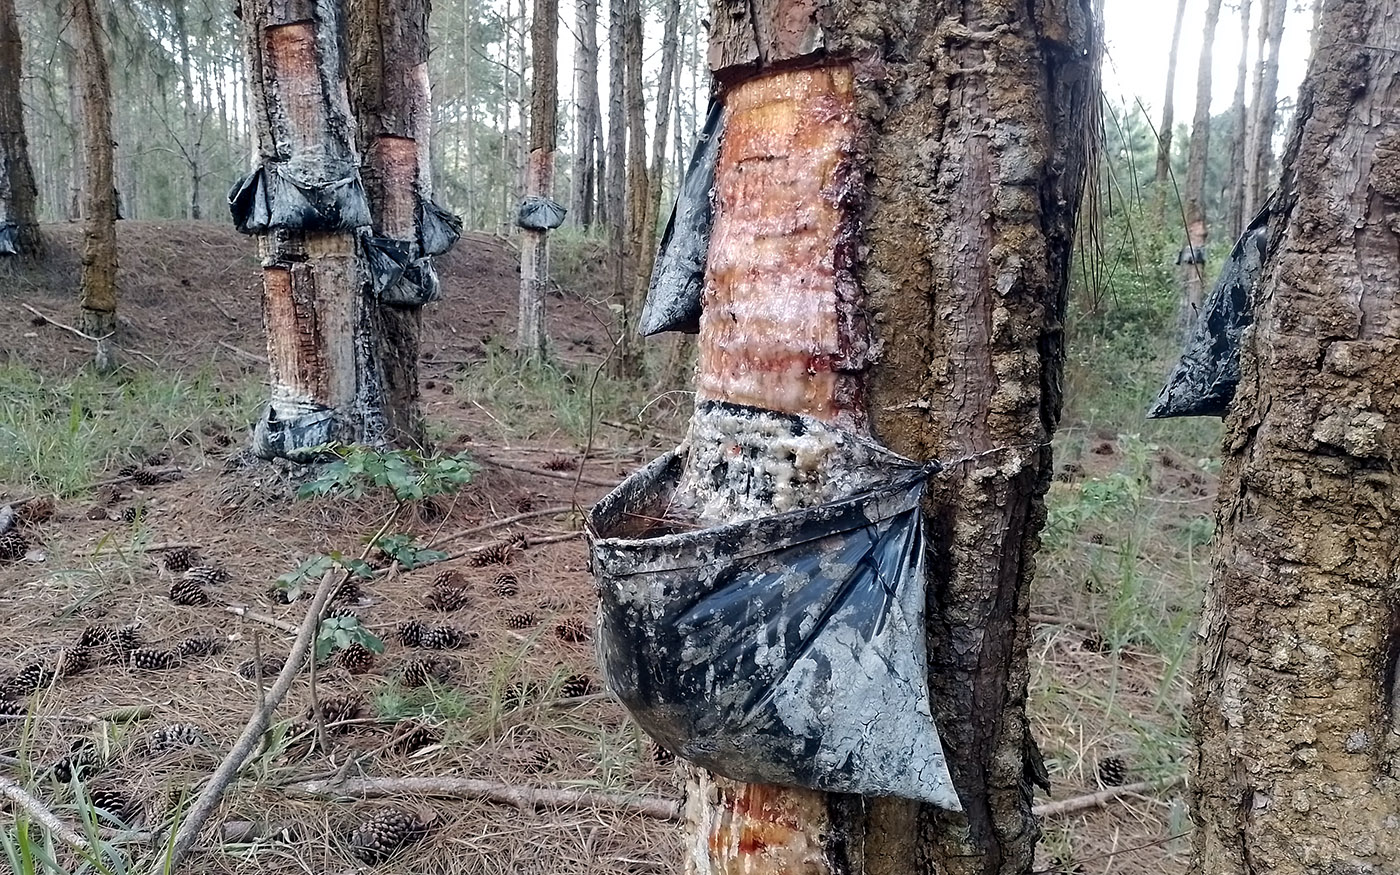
1296	709
909	184
661	131
1191	260
1259	150
636	251
98	278
1235	223
1164	133
192	145
314	273
530	338
586	111
392	108
622	363
19	225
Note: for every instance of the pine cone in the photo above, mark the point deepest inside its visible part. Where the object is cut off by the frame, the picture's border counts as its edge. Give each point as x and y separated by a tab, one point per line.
81	763
418	672
537	761
199	646
411	633
445	638
133	514
573	630
660	755
151	659
385	834
206	575
145	477
340	708
499	553
173	736
505	585
13	546
449	579
271	667
124	640
411	736
356	659
36	510
127	470
348	593
185	591
117	805
576	685
1113	772
75	660
12	708
560	463
28	679
181	559
521	621
516	695
447	599
96	636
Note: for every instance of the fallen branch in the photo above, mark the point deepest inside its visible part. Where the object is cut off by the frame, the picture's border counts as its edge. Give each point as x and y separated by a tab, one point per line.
46	818
262	618
555	475
1103	797
49	320
525	798
502	523
531	544
242	353
1053	620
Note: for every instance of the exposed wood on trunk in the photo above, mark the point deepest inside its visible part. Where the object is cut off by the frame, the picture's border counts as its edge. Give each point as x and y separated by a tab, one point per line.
530	338
17	189
1235	188
1296	709
1191	261
1259	144
588	114
98	278
1162	174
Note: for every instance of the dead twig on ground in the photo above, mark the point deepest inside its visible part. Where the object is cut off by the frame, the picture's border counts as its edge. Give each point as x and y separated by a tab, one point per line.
525	798
1052	620
49	320
553	475
1103	797
502	523
262	618
531	544
46	818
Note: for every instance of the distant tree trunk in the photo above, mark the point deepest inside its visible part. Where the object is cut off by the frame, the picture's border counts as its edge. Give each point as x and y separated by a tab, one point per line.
621	364
98	278
19	225
1296	710
392	107
468	101
192	145
587	112
837	137
661	132
530	337
1239	126
1259	150
1164	133
1192	258
633	288
314	275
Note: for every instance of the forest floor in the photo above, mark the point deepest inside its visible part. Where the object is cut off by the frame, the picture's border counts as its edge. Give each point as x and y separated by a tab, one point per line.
1116	595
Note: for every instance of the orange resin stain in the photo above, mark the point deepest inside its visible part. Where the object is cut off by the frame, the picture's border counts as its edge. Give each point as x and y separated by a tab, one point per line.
291	58
765	830
777	331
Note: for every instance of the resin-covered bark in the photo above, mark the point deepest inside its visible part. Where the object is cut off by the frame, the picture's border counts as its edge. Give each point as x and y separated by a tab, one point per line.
530	336
19	228
895	201
1298	745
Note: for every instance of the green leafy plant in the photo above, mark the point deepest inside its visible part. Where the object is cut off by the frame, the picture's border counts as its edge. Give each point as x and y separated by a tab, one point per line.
405	551
338	633
302	580
407	474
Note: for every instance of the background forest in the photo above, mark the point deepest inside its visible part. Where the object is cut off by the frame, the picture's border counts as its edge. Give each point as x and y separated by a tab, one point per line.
126	485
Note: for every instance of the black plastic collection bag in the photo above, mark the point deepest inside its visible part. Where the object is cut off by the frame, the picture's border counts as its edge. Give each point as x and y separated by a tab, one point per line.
678	278
397	276
1204	379
787	649
438	229
9	238
540	214
273	197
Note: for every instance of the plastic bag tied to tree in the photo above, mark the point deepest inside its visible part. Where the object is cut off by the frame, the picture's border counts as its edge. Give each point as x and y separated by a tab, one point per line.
9	238
538	213
786	649
1203	381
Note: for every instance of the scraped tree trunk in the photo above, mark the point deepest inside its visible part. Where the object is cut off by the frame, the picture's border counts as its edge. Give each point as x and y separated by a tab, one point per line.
391	104
1259	148
635	253
906	180
98	277
1164	134
530	338
19	226
313	271
1239	127
588	112
1191	260
1296	719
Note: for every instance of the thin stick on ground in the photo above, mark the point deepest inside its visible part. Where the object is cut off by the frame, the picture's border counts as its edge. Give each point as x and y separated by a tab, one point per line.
46	818
262	618
1103	797
554	475
530	545
501	523
524	798
49	320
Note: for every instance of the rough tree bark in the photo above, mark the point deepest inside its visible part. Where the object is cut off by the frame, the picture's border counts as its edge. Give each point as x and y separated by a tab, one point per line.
530	337
587	113
1296	710
1192	258
313	272
634	253
614	179
391	105
1164	134
193	145
1259	146
98	277
895	204
19	225
1239	127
